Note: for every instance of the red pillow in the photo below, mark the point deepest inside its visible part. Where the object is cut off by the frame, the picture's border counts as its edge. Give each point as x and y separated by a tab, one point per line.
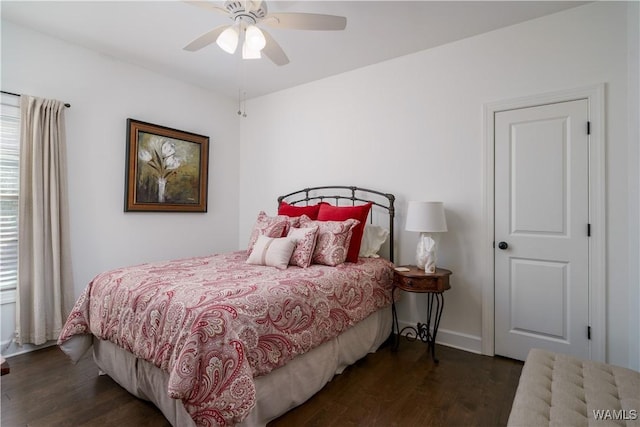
340	213
292	210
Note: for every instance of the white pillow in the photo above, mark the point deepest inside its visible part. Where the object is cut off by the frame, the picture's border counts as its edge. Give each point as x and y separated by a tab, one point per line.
272	252
372	239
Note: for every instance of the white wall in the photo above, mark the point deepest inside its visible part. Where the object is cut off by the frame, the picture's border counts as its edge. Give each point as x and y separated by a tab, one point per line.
413	126
103	93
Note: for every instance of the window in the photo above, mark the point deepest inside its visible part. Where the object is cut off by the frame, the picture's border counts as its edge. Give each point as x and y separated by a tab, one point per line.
9	190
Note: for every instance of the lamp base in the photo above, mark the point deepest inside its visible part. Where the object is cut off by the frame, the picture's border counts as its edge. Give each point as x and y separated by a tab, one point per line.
426	253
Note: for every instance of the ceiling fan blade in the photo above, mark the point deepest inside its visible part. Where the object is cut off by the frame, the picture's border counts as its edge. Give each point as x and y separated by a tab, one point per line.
306	21
255	4
273	51
206	39
205	5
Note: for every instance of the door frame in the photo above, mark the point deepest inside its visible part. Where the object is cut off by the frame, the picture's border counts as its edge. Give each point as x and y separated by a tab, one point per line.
595	96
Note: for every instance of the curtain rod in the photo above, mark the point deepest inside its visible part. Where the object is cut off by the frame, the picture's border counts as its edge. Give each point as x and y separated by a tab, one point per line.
17	94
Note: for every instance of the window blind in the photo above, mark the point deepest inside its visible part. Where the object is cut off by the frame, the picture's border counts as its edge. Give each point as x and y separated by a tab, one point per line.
9	192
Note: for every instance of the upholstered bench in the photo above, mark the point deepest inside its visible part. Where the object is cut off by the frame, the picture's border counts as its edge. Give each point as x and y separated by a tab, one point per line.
561	390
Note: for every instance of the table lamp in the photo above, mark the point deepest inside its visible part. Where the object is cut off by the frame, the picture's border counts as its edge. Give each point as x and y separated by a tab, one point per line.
426	218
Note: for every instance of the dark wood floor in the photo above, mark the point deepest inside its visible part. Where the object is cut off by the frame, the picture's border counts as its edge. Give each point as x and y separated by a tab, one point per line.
403	388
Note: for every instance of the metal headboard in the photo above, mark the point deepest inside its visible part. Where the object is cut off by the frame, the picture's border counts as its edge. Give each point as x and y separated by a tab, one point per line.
335	193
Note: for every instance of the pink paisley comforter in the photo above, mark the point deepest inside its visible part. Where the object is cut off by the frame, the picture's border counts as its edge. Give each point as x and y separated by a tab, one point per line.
213	323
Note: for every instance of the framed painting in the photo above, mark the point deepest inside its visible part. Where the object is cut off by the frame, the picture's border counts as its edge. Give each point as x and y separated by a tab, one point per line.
166	169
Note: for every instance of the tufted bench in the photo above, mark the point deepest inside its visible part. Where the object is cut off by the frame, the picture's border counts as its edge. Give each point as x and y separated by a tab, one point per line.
561	390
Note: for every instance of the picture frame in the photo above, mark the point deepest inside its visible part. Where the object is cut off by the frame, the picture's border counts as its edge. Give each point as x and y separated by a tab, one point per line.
166	169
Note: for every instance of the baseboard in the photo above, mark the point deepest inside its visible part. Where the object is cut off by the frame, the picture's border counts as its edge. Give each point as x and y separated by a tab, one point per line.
13	349
460	341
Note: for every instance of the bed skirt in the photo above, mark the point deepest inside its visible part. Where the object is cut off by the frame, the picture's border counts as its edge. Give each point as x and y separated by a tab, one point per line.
276	393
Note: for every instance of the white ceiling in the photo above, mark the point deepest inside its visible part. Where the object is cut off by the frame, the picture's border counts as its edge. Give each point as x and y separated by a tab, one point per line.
151	34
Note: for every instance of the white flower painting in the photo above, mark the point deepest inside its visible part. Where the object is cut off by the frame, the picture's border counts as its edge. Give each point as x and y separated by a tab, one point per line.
167	170
161	157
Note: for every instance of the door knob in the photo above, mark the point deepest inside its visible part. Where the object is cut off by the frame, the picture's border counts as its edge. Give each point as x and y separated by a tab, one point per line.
503	245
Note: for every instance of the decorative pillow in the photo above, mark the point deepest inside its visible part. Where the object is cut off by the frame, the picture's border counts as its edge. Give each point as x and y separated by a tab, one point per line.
305	244
272	252
295	211
372	240
292	222
341	213
333	240
270	226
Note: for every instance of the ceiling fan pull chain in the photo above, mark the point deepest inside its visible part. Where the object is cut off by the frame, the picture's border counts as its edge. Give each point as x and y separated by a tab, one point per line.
242	103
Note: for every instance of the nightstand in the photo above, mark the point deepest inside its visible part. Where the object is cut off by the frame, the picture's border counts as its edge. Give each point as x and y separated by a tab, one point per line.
434	285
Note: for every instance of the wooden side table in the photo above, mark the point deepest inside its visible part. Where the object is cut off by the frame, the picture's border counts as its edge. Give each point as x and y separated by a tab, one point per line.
434	285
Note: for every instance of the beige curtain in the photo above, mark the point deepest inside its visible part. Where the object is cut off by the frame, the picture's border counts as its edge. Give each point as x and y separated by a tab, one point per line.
45	288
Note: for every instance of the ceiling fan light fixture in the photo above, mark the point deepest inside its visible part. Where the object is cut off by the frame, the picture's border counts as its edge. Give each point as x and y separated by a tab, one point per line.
249	53
246	16
228	40
254	38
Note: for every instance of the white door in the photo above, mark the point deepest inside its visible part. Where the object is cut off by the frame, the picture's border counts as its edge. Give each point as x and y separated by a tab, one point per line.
541	229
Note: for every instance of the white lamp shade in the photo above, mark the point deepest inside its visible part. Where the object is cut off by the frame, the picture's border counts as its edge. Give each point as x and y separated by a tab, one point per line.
426	217
228	40
254	38
249	53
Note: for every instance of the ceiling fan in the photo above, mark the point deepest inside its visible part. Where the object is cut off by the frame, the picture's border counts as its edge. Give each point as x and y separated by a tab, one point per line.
246	15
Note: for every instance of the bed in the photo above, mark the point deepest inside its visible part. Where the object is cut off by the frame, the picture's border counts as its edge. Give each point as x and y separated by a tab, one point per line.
240	338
